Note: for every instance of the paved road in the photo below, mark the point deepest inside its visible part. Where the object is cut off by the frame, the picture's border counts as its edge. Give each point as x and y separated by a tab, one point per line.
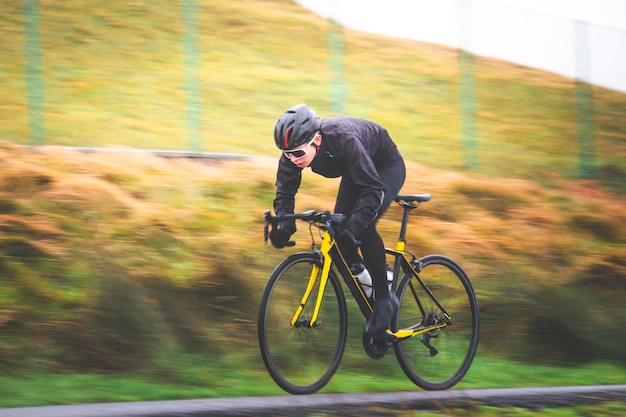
370	404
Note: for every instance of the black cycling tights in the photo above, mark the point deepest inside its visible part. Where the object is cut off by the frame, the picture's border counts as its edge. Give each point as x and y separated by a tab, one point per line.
372	246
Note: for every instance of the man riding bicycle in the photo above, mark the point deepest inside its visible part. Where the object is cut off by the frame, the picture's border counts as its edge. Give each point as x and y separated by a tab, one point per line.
372	173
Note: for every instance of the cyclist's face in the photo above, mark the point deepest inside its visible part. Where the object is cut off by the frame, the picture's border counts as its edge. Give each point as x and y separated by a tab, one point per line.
310	150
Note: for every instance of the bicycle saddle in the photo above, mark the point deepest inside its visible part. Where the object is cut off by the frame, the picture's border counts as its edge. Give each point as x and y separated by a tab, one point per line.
409	198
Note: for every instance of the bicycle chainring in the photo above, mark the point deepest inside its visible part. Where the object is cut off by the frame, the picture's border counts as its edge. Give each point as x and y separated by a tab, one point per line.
374	348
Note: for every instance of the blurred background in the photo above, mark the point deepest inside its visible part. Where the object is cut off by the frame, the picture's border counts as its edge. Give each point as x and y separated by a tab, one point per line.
145	273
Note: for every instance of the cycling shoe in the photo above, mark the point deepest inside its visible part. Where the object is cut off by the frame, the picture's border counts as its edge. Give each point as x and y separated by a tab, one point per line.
380	320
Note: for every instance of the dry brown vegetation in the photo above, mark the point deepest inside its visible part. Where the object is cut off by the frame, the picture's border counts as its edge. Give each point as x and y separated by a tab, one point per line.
111	259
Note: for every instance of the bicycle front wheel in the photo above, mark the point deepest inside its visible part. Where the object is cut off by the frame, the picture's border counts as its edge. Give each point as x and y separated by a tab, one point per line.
301	358
439	358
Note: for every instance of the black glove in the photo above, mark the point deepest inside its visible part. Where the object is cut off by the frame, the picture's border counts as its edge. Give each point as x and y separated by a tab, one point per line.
280	238
345	238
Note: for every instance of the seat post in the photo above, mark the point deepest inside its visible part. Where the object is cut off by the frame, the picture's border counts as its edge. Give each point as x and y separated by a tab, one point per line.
405	221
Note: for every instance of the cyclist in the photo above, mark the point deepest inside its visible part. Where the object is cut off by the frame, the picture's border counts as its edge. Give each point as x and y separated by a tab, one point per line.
372	173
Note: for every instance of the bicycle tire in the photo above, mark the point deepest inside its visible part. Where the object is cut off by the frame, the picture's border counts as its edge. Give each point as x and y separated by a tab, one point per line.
301	360
455	343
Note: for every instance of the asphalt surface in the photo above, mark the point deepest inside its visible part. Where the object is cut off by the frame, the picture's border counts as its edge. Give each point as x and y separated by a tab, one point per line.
366	404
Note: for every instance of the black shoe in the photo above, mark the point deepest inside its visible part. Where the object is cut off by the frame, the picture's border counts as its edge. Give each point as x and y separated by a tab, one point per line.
380	320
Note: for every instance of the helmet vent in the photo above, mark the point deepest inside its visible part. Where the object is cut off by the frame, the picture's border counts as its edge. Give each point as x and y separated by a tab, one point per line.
287	137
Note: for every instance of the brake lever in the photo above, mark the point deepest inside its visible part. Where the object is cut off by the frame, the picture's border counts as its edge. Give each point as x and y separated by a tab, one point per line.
327	223
266	229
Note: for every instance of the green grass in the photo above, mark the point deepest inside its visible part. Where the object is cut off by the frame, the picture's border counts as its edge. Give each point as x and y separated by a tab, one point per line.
195	376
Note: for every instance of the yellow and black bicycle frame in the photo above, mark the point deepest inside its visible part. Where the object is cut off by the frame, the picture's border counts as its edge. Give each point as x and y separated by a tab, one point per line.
330	255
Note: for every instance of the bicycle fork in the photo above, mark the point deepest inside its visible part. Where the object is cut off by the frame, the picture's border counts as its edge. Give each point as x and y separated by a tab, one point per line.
325	261
321	269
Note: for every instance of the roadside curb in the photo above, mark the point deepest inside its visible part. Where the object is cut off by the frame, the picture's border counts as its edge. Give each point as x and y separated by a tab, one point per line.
336	404
162	153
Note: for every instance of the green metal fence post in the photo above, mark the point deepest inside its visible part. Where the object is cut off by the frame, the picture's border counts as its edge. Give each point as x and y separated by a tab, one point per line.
467	87
337	68
584	104
193	85
34	80
467	101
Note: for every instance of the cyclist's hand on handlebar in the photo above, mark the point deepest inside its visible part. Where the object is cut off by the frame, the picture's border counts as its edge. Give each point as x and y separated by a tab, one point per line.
346	238
280	238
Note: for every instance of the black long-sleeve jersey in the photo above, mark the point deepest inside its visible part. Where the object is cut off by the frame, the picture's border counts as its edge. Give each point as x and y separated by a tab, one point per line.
353	148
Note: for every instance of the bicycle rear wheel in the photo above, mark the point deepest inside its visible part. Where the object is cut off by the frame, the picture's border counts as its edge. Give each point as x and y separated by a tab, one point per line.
301	359
455	344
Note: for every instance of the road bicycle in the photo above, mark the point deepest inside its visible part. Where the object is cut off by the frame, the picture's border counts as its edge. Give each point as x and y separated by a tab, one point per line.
303	323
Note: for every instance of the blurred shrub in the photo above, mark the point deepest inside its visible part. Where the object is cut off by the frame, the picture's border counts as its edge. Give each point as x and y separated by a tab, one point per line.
496	200
17	246
564	324
596	226
613	177
25	181
8	206
125	321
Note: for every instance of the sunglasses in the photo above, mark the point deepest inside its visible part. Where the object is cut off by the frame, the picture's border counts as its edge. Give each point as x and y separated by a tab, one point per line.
300	152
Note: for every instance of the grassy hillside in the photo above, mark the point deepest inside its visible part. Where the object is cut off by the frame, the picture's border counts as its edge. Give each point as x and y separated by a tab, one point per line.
114	74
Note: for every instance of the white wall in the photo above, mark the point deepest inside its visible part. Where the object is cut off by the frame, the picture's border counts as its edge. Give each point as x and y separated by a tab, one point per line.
584	39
